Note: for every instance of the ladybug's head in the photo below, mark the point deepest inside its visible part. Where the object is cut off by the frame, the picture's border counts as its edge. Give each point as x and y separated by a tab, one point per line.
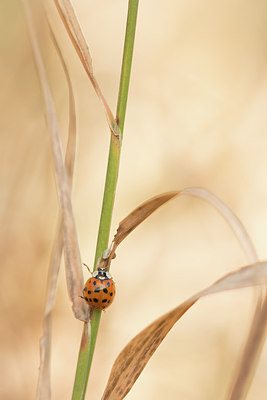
102	273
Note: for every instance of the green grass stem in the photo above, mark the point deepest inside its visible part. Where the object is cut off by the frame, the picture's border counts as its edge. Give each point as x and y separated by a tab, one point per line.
89	338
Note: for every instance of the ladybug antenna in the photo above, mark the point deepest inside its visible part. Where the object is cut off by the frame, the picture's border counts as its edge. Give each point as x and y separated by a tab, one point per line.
87	267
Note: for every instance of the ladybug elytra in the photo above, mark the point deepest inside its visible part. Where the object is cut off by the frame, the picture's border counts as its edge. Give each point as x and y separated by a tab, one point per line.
99	290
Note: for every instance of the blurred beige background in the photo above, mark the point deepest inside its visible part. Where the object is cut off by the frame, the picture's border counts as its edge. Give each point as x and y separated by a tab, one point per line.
196	117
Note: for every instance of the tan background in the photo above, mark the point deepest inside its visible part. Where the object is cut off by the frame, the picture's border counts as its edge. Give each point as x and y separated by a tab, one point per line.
196	116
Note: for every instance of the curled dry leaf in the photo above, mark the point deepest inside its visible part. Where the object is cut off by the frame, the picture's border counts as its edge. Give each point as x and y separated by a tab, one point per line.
138	215
71	248
114	387
134	357
44	380
74	30
246	367
135	218
232	220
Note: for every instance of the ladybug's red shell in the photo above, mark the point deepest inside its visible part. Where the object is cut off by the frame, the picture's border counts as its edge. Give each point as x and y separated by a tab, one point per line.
99	291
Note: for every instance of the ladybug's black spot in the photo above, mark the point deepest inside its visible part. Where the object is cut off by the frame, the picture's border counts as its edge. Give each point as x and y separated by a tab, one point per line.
94	283
90	300
86	298
97	289
95	300
111	294
89	292
104	301
105	290
108	284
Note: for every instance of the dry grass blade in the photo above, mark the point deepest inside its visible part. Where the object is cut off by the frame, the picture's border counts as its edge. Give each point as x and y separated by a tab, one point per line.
251	354
244	277
71	249
76	35
234	222
136	217
44	381
134	357
252	275
247	365
143	211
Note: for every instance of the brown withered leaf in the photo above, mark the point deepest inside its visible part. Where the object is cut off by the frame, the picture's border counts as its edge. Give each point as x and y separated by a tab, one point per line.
119	384
74	30
134	357
230	218
247	366
138	215
44	380
71	248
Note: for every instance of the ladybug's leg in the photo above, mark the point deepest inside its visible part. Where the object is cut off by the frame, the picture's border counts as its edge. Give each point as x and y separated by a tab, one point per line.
87	268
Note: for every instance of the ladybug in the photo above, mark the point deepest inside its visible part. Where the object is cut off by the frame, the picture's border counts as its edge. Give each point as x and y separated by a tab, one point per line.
99	291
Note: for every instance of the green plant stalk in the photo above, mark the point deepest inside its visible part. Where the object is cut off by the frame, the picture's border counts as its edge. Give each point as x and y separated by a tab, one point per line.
89	338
